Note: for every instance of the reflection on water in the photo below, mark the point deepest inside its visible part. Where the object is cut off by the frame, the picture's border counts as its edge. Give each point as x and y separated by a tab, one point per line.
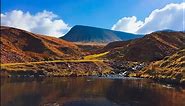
88	92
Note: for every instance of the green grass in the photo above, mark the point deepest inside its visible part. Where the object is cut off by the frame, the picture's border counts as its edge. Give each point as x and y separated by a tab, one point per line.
89	58
53	61
58	70
95	56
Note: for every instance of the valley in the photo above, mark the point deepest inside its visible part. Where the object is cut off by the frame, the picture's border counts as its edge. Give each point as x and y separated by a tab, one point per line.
92	53
53	57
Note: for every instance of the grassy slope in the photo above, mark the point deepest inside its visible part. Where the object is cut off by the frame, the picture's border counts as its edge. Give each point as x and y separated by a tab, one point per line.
151	47
20	54
22	46
170	69
52	61
90	65
95	56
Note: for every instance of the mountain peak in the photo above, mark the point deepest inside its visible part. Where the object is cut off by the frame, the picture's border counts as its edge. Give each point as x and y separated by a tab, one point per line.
81	33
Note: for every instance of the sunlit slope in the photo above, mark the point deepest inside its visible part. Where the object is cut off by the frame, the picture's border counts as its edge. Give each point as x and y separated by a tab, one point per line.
151	47
171	68
22	46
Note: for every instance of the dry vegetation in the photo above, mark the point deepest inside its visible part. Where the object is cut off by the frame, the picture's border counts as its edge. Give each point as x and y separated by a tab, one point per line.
56	68
88	66
151	47
22	46
170	69
27	54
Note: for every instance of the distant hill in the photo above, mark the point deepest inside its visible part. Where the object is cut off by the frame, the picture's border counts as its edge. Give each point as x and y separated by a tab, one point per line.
166	30
22	46
81	33
152	47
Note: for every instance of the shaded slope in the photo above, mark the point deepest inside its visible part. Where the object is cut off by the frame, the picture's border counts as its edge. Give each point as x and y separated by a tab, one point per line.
81	33
151	47
21	46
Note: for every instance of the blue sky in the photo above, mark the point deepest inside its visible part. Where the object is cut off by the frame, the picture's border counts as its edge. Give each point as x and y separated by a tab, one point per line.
99	13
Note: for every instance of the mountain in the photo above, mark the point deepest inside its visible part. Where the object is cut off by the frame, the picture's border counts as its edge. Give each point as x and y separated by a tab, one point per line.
170	69
81	33
25	54
151	47
22	46
166	30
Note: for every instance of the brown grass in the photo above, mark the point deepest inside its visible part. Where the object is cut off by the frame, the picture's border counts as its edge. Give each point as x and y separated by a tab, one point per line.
170	68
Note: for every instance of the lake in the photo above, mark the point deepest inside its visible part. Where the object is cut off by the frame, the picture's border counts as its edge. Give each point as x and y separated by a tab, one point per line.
88	91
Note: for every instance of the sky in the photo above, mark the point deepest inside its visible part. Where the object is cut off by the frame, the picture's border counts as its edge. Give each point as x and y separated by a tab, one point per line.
56	17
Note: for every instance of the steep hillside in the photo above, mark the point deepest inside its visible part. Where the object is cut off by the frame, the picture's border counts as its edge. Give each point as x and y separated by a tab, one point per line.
151	47
81	33
170	69
22	46
90	48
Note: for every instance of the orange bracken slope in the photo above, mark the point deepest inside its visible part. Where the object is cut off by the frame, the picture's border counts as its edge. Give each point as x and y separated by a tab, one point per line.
22	46
151	47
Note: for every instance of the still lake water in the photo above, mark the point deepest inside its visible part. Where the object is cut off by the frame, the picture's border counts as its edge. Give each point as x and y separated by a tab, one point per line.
88	92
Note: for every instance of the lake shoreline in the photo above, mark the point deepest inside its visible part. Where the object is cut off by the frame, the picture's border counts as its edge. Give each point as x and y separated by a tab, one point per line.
169	82
88	91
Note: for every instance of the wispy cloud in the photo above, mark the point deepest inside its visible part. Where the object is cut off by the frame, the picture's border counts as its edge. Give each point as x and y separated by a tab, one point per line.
44	22
169	17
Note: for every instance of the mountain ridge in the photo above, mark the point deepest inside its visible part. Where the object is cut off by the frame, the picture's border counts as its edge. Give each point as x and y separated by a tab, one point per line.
151	47
81	33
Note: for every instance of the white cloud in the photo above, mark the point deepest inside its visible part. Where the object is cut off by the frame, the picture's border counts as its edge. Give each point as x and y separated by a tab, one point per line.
127	24
44	22
169	17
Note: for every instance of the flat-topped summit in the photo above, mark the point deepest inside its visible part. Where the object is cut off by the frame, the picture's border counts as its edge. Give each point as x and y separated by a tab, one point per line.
80	33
